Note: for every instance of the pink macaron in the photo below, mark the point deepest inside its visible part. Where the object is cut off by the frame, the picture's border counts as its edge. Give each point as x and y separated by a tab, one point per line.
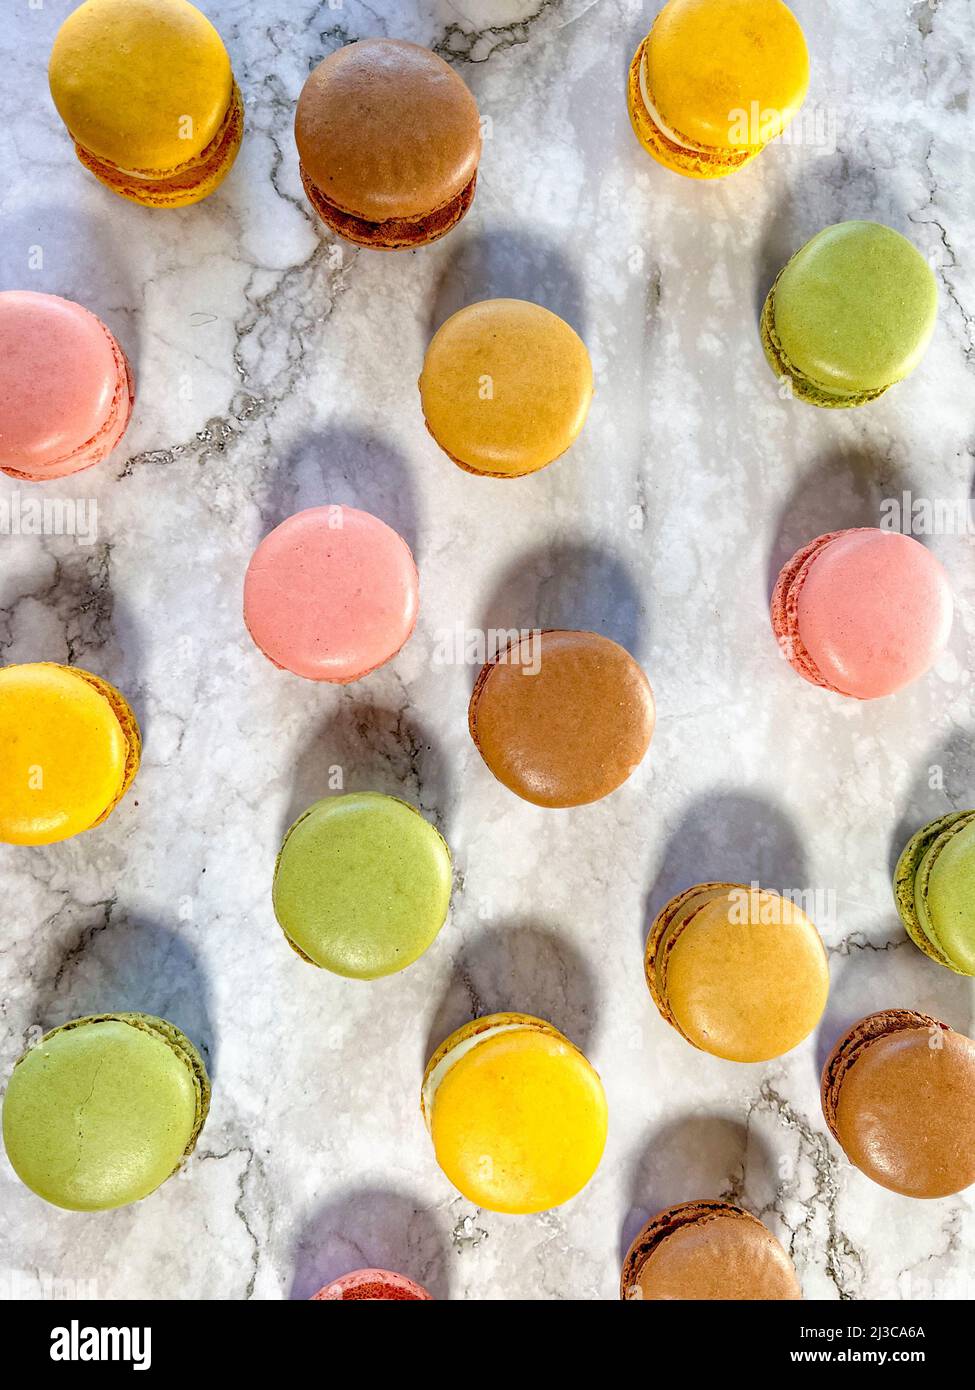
375	1285
65	387
862	612
331	594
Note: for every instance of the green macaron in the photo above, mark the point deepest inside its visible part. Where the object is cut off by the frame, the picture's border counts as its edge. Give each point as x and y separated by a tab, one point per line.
103	1110
934	887
362	885
850	315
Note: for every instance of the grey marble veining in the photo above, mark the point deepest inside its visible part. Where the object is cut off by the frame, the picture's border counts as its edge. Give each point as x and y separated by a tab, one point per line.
276	369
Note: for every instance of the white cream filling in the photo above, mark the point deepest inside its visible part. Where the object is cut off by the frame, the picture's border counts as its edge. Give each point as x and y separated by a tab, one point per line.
452	1057
656	117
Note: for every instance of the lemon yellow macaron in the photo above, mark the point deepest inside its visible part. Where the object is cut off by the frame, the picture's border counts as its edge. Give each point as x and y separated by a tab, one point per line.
506	387
146	91
516	1113
714	81
69	749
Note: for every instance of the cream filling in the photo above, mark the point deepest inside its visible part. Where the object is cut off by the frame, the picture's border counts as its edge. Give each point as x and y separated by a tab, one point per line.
450	1059
658	120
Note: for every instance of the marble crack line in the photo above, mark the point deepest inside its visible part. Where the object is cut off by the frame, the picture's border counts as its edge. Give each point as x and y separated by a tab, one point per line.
250	1159
88	934
463	43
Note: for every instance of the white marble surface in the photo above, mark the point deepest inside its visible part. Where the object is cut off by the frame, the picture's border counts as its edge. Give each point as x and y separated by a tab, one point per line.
276	369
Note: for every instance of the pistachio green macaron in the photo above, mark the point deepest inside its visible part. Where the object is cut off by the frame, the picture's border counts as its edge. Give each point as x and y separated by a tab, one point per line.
104	1109
851	314
934	888
362	885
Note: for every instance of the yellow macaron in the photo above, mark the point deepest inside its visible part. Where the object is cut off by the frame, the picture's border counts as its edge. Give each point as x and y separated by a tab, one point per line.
739	971
146	91
506	387
69	749
714	81
516	1113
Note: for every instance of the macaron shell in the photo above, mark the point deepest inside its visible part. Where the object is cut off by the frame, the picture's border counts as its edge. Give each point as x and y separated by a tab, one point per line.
710	59
69	748
386	130
905	896
65	388
362	885
519	1122
373	1285
854	309
101	1111
905	1113
564	718
709	1251
143	84
331	594
873	612
506	387
745	975
945	893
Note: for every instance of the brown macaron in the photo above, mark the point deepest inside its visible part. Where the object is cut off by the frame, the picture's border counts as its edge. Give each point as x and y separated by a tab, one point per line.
899	1098
389	139
562	718
707	1251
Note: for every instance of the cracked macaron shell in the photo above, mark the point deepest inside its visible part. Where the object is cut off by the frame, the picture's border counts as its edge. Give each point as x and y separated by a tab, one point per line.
898	1095
146	91
103	1110
69	750
934	888
707	1250
851	314
739	972
66	391
706	61
519	1120
362	885
862	612
505	388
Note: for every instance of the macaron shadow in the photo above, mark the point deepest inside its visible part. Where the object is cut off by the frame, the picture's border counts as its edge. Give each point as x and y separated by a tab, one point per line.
727	837
373	749
370	1227
340	464
582	586
695	1156
110	961
507	263
519	966
838	492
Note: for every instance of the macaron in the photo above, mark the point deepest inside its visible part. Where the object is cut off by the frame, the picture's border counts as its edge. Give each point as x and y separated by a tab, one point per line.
331	594
934	888
66	388
516	1113
362	885
104	1109
714	81
562	718
707	1251
69	749
898	1095
506	387
389	140
739	971
148	97
850	315
373	1286
862	612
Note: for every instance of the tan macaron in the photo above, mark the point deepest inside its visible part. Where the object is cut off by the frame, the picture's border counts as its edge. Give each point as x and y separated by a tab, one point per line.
506	387
389	140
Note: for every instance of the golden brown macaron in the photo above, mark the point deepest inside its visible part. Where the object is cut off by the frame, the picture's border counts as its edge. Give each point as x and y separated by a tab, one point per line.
707	1251
506	387
739	971
898	1095
389	140
562	718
